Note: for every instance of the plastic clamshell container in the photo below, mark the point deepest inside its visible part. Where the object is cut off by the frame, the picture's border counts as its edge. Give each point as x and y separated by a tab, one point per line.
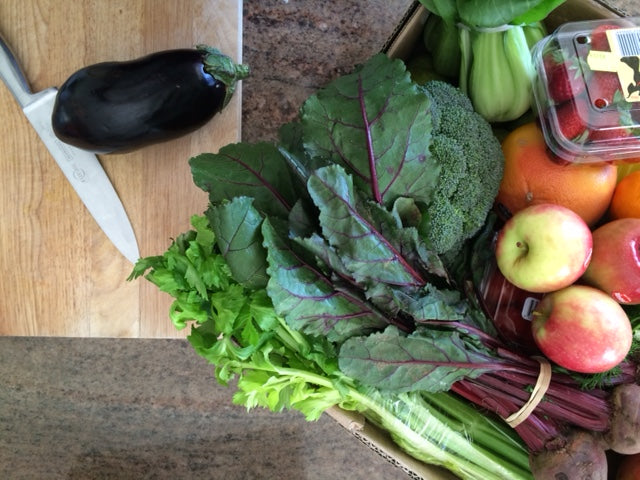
587	90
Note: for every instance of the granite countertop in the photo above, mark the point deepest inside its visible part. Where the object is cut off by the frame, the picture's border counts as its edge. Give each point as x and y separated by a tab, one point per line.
132	409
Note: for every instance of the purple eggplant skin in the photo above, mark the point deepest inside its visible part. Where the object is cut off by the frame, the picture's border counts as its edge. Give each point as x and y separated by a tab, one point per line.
115	107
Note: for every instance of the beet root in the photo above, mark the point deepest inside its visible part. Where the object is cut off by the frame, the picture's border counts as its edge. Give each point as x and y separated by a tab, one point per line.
624	433
582	457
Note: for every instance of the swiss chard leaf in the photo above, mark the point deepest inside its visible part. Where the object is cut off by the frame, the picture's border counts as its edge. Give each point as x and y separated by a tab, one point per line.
308	299
376	123
249	170
327	257
290	136
237	225
433	304
368	240
430	360
303	219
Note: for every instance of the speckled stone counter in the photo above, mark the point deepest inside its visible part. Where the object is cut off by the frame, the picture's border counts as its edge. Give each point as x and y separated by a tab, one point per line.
132	409
150	409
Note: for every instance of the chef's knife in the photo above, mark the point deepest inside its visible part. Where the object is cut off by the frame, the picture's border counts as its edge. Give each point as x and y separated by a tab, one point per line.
82	168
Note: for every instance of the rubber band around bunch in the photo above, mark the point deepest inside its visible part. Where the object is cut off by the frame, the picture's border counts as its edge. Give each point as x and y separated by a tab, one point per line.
539	389
497	29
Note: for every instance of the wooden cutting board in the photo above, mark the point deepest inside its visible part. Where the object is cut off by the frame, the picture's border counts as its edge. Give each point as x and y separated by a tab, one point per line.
59	274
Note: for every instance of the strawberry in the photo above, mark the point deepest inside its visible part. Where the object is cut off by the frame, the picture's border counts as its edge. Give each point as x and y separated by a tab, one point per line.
570	117
616	127
602	88
564	76
599	39
606	135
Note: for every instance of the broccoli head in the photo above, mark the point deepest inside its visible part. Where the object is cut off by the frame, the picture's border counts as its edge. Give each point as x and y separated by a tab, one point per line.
472	164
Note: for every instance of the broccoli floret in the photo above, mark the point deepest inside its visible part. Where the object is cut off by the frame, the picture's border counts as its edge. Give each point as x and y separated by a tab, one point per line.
471	162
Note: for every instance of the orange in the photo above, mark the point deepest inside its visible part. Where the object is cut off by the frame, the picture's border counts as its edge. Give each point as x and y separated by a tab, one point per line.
532	175
626	197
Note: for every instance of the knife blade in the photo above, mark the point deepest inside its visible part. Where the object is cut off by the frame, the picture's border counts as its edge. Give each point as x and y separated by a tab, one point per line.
82	169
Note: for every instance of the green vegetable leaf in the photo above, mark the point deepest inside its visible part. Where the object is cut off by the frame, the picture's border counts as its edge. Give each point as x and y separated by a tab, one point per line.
537	13
443	8
274	367
376	123
237	225
188	270
257	170
480	13
308	299
327	258
430	360
433	304
363	237
290	136
259	388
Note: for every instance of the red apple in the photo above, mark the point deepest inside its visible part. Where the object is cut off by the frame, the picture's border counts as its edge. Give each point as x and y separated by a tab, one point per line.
582	329
543	248
615	262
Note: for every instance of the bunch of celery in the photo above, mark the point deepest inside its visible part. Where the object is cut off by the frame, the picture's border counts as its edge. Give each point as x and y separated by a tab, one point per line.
237	329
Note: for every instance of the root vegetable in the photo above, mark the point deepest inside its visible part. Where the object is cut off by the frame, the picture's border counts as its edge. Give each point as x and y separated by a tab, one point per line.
583	456
629	468
624	432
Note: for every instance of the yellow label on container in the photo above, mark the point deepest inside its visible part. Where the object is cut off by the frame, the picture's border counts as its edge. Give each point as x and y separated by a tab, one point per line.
624	59
603	61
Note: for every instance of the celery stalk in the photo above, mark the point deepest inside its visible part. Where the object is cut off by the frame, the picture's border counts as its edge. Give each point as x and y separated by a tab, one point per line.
440	438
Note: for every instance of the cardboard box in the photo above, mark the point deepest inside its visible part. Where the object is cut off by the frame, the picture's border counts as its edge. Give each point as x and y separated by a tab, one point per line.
400	44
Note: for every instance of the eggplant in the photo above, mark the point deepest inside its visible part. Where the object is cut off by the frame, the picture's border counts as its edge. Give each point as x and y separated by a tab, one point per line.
113	106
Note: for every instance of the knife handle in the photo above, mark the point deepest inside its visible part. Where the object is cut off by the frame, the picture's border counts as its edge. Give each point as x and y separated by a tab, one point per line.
11	74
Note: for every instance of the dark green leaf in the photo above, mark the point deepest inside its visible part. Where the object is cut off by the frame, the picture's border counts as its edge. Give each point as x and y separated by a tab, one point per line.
292	148
237	225
326	256
363	237
431	360
376	124
249	170
443	8
485	14
307	299
303	219
538	13
433	304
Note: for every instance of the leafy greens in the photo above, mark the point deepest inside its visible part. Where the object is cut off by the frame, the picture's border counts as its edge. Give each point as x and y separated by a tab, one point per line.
340	198
483	14
311	246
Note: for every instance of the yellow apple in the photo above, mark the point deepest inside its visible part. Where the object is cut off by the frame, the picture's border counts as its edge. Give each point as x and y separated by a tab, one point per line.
543	248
